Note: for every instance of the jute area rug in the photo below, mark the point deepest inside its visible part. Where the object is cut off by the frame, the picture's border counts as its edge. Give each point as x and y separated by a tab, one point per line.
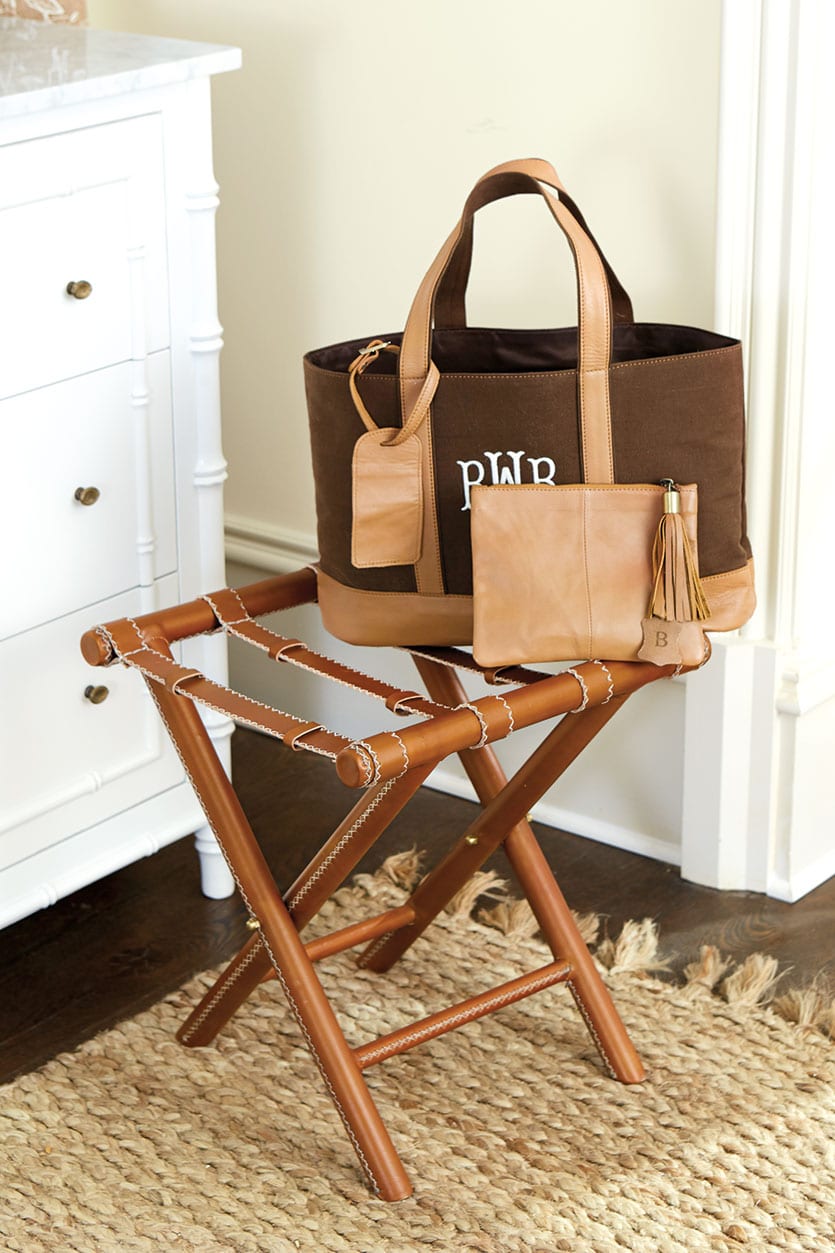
514	1136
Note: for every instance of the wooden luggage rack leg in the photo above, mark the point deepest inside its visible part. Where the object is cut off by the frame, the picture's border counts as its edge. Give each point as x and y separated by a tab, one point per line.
390	767
363	826
281	941
504	821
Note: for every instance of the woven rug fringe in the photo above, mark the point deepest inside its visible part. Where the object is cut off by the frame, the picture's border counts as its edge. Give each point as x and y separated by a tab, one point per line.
635	950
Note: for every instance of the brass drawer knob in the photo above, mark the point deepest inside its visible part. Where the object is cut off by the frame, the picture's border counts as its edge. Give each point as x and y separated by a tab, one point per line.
87	495
96	694
81	289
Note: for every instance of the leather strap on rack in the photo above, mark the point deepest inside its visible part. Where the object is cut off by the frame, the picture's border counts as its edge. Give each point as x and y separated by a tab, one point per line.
233	616
455	659
491	718
443	729
152	658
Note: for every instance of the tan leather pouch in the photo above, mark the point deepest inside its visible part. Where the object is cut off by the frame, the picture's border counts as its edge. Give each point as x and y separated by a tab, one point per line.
387	497
565	573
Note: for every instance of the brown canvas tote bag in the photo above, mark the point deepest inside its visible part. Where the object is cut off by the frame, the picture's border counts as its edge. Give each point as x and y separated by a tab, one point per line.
405	427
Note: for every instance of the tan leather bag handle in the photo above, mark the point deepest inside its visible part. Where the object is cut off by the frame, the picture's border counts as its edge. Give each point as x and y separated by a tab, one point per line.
594	319
450	298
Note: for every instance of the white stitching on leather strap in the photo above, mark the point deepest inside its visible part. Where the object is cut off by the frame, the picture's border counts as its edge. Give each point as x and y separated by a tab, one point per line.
221	992
117	652
139	635
293	741
108	639
367	765
462	1017
285	648
225	622
338	848
576	675
365	957
403	700
366	751
403	709
192	674
592	1029
511	724
229	625
404	751
609	679
234	592
482	721
495	675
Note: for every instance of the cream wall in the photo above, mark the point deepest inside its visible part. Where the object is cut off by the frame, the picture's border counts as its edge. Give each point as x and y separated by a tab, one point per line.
346	144
344	149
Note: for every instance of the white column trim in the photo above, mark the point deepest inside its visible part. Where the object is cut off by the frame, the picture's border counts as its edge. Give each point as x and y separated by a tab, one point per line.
743	822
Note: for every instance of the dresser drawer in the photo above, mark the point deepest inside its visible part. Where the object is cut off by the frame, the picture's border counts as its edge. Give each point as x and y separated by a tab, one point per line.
109	432
83	207
65	762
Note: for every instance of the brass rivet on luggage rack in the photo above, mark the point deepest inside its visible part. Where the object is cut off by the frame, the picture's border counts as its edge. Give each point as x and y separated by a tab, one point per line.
471	839
253	924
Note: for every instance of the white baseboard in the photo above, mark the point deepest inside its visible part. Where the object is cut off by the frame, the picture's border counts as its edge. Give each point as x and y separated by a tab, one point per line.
799	885
443	779
274	549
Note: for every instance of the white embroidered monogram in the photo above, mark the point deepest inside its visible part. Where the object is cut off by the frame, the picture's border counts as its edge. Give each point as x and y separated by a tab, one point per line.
512	470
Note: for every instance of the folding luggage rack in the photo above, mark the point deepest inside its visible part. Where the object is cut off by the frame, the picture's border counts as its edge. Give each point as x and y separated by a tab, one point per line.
389	767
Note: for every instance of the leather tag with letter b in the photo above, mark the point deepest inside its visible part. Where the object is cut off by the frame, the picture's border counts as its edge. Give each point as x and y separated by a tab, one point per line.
387	500
668	643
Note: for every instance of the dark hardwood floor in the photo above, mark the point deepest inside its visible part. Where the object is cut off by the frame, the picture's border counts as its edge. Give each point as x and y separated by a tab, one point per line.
119	945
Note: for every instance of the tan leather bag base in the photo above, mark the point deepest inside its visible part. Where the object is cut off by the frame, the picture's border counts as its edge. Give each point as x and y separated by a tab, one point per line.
564	573
407	618
387	497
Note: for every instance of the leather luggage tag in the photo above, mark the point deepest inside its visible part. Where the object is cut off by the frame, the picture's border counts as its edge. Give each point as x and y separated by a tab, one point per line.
672	643
387	495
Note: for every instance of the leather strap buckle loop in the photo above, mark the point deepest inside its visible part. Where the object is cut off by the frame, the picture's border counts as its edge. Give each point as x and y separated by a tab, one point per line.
307	728
397	699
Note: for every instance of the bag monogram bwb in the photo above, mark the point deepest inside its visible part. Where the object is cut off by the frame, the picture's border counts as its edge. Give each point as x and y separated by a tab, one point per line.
577	454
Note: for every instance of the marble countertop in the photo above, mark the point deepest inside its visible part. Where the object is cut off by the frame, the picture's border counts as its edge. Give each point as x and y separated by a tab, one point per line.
46	67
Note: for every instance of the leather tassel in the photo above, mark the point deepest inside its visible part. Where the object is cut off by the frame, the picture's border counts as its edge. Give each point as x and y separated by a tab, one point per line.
677	603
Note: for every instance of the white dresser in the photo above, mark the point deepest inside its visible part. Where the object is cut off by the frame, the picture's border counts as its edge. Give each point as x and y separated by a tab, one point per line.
110	426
